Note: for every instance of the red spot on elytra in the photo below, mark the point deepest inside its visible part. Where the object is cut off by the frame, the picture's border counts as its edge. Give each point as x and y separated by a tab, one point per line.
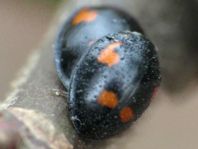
85	15
109	56
126	114
108	99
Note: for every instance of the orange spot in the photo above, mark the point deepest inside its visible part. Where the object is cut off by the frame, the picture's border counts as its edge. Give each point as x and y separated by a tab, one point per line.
126	114
84	15
108	99
108	55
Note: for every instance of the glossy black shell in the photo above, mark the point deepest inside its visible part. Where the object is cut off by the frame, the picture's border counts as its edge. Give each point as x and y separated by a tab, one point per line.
133	78
73	40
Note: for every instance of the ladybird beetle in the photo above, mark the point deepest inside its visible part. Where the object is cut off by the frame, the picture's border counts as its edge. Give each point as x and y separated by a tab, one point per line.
109	68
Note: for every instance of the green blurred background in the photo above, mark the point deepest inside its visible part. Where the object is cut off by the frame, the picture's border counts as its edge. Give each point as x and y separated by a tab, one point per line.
23	24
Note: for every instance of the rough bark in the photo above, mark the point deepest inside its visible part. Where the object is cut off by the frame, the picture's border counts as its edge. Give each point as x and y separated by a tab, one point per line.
34	116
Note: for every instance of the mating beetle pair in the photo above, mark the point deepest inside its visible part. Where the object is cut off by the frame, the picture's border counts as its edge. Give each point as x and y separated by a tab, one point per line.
109	68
